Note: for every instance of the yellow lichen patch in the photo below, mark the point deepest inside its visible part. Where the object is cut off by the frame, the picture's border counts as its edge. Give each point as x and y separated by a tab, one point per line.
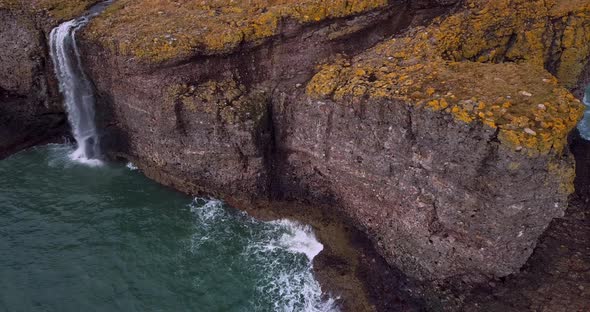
486	64
57	9
160	30
566	173
555	33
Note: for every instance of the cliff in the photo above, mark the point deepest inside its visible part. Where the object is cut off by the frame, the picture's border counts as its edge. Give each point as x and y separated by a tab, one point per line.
29	110
58	10
457	125
438	128
171	30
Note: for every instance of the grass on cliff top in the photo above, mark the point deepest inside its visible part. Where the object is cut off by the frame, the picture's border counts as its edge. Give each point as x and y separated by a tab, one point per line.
482	64
160	30
57	9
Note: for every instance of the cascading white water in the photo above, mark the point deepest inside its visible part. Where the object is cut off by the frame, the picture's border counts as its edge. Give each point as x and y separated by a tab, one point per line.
75	86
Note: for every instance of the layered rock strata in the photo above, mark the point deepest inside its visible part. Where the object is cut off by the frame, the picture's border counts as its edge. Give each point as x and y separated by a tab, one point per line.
446	145
206	117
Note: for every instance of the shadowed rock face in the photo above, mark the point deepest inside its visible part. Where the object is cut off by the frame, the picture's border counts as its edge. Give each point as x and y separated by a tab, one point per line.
581	148
27	113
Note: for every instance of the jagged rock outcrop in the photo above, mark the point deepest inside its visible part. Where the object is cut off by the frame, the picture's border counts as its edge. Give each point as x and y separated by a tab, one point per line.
446	145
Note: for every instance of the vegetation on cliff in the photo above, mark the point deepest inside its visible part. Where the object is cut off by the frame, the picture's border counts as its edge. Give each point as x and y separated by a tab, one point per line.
57	9
485	63
162	30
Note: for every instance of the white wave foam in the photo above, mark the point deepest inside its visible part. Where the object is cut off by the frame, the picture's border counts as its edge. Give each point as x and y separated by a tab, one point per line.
65	156
79	156
273	248
293	286
299	238
131	166
207	209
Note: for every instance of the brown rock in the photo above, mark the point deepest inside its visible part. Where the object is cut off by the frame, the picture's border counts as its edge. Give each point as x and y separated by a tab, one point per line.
28	113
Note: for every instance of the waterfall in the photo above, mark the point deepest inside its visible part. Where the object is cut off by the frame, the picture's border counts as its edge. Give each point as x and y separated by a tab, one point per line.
74	85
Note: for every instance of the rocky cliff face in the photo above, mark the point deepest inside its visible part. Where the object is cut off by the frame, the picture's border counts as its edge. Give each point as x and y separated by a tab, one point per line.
26	113
208	120
30	110
446	143
468	147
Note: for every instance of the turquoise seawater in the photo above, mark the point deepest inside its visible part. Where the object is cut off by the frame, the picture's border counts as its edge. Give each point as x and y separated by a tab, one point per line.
79	238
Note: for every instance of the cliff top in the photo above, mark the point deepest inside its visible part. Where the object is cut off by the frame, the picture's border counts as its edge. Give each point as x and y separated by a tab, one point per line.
161	30
57	9
485	63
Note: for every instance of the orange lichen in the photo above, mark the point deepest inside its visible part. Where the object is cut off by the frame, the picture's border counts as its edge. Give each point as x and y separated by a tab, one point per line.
485	63
165	29
566	172
543	32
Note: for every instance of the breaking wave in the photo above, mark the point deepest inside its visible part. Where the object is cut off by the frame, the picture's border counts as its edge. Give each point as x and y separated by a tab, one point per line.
282	250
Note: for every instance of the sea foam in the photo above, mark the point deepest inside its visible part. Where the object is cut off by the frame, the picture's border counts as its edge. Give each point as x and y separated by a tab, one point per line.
282	249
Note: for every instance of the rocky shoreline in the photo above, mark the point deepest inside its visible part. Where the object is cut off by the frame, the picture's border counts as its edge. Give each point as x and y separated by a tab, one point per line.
407	141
